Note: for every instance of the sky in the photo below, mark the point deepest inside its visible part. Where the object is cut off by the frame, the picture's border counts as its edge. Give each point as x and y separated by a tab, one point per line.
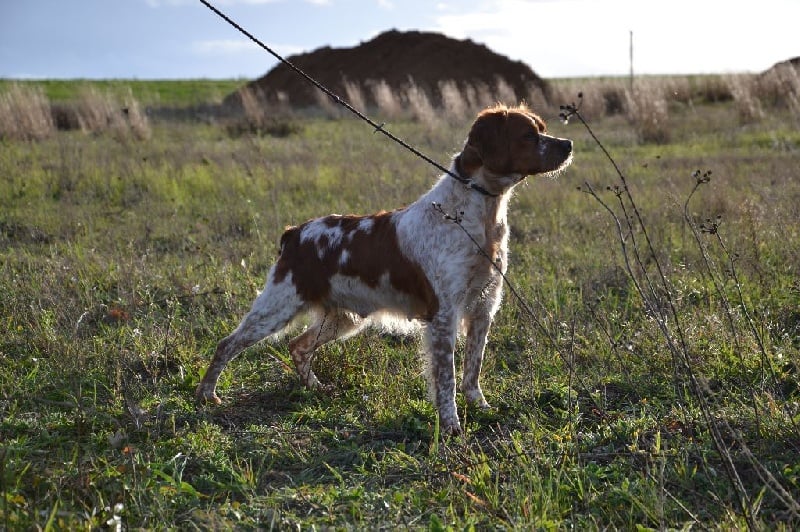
169	39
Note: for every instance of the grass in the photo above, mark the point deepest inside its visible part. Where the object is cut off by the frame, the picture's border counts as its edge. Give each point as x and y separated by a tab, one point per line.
177	92
124	261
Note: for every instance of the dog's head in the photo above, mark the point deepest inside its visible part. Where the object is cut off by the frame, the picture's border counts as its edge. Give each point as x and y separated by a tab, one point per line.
508	144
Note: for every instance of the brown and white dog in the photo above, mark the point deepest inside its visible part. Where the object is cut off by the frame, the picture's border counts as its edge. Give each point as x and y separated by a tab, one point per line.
411	263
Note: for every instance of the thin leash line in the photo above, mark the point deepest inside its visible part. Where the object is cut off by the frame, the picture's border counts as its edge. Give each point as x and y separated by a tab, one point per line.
379	127
340	101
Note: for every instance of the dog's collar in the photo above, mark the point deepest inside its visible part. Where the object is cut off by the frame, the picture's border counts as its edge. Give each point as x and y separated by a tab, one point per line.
458	175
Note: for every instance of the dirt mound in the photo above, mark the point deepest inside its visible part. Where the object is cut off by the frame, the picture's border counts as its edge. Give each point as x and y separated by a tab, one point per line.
794	62
396	58
779	85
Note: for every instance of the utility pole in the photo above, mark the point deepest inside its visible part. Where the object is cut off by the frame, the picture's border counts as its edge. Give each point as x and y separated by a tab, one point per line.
631	55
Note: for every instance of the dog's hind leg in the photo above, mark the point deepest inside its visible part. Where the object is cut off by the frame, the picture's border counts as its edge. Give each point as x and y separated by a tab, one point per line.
272	310
330	325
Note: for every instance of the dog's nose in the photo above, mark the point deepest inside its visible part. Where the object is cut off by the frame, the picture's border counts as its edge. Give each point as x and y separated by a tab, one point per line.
565	147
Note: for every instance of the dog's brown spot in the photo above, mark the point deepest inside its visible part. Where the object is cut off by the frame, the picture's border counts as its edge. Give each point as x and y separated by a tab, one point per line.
310	273
366	248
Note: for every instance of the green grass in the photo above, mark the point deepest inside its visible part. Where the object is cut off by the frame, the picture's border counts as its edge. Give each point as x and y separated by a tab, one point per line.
123	263
178	92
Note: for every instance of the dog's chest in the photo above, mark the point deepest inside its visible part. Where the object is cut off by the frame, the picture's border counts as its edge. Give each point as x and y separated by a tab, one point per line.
496	246
488	254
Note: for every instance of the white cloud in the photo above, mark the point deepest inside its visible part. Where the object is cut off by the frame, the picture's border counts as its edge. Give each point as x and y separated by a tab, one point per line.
586	37
386	4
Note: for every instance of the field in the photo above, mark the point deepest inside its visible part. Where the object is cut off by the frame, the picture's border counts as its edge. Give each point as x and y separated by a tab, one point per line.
649	377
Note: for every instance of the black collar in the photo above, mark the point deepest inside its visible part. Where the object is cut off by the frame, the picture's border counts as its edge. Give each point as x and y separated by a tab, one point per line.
458	176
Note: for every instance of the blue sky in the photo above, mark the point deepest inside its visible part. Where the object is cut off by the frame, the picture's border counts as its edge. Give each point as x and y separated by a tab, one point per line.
154	39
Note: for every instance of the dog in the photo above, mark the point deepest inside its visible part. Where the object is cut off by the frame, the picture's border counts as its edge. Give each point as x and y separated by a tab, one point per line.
412	263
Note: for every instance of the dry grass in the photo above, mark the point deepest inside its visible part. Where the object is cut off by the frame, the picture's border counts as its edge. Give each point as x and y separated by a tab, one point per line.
355	96
644	106
100	112
420	105
257	118
25	114
454	103
600	97
503	91
646	109
328	107
780	87
478	96
137	120
387	100
747	103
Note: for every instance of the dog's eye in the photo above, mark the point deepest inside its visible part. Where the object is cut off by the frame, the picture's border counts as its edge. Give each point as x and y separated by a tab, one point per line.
532	135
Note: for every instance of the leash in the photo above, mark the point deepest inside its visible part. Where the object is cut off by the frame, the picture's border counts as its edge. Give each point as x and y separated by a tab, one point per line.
467	182
377	127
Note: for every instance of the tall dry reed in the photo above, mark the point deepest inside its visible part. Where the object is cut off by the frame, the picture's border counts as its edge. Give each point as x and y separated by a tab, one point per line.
260	118
780	88
386	99
420	105
25	114
100	112
747	103
355	96
454	103
646	110
504	92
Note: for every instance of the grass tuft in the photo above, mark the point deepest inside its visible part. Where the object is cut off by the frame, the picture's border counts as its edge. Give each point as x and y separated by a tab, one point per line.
25	114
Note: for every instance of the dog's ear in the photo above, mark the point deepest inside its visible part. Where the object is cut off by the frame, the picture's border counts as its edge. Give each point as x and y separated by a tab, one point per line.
487	143
470	159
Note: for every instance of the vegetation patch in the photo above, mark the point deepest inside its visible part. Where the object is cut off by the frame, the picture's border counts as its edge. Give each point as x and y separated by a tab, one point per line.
124	259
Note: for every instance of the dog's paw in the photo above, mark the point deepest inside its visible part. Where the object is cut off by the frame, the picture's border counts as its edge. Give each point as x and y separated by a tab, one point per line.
449	425
313	383
451	430
476	398
204	396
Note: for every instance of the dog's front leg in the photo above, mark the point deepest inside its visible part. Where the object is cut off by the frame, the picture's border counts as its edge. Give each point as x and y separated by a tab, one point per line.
441	346
478	320
477	331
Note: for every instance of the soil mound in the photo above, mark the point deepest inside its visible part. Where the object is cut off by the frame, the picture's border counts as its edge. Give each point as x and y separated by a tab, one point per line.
779	85
398	59
794	62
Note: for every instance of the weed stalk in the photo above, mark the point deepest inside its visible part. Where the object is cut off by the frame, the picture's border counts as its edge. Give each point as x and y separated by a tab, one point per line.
668	320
